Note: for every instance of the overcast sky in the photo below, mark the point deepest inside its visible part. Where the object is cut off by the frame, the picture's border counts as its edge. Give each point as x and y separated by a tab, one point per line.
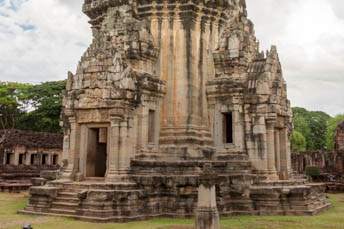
41	40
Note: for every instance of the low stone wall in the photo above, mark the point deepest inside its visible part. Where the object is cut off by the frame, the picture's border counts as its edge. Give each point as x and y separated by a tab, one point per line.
331	165
18	178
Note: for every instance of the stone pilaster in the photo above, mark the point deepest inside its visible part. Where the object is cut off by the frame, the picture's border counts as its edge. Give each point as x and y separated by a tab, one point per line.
49	159
27	158
16	158
73	151
114	149
124	155
277	150
285	158
120	150
4	159
270	134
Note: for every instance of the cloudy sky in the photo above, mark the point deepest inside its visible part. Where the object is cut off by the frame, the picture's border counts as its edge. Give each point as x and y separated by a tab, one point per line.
41	40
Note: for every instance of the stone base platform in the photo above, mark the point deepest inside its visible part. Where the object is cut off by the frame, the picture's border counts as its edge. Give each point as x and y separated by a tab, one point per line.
169	189
14	186
335	187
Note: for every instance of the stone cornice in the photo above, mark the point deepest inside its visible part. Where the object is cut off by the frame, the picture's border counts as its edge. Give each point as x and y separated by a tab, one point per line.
208	8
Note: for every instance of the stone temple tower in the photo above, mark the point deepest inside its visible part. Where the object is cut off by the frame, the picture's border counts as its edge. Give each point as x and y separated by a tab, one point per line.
165	87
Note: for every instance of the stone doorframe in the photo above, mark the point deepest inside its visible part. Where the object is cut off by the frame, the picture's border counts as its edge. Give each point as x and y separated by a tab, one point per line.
84	132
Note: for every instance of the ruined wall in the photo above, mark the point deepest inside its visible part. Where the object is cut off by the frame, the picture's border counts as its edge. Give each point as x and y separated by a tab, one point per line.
19	145
22	152
328	162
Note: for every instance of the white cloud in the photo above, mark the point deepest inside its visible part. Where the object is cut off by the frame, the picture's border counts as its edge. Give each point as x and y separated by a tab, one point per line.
40	40
43	39
310	38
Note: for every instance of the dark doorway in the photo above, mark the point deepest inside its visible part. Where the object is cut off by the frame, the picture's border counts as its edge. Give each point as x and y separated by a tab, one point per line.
32	159
9	157
96	152
55	159
45	159
21	159
228	128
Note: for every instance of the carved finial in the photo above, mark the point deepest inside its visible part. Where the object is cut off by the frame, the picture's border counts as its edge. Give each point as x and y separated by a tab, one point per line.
208	177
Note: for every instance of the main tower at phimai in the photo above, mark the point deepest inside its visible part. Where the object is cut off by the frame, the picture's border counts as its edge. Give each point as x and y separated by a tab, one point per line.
165	87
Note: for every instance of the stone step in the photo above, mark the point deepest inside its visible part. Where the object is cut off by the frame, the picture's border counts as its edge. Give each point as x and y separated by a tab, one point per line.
68	194
67	199
281	183
84	186
64	205
62	211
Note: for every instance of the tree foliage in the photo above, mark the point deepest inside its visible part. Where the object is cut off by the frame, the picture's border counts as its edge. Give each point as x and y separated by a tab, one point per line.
31	107
331	130
298	142
313	126
11	107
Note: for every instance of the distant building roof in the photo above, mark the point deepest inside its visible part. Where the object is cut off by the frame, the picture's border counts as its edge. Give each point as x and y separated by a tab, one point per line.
30	139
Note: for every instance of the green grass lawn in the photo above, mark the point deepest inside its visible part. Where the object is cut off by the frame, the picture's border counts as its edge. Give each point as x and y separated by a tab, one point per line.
331	219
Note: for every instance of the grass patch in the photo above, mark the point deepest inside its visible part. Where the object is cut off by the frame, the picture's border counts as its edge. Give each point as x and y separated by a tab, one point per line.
331	219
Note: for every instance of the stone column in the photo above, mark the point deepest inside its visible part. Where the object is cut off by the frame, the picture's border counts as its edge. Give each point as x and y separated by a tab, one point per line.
4	158
271	148
207	215
277	150
284	174
27	159
114	149
83	149
16	158
49	162
125	148
73	150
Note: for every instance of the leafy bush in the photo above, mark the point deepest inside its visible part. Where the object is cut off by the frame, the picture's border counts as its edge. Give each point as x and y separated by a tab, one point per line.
313	171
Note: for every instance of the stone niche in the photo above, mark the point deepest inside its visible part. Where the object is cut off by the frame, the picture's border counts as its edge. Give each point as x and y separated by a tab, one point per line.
165	87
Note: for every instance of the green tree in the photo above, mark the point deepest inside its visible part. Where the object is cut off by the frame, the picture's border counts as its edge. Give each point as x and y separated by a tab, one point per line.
318	125
331	130
298	142
31	107
313	126
11	107
45	103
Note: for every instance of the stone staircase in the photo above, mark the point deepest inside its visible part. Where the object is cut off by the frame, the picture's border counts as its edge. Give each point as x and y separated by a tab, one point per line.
66	203
91	200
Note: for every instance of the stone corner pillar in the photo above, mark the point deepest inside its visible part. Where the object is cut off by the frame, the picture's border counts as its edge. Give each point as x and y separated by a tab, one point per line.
285	166
271	156
120	150
72	151
114	149
207	215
